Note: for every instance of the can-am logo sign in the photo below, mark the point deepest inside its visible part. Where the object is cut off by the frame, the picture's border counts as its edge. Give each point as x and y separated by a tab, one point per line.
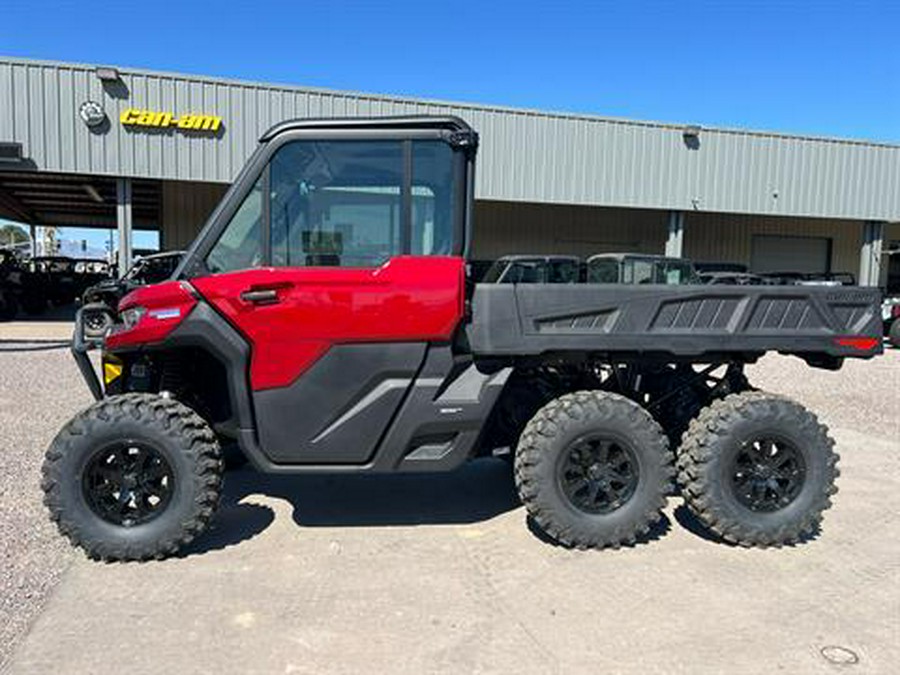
135	117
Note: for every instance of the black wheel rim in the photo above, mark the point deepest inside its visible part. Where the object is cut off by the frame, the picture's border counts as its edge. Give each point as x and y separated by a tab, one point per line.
95	321
768	473
598	474
128	483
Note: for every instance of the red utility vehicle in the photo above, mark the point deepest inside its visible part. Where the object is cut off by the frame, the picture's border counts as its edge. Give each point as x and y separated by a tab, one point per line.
323	321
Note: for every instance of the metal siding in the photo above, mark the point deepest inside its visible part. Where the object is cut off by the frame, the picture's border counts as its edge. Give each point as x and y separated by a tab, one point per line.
526	155
728	237
518	227
185	207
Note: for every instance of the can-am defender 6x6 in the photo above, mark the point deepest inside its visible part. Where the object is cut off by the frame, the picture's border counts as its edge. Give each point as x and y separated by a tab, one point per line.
323	322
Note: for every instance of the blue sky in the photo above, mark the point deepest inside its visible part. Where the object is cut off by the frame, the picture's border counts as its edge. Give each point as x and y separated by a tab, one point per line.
825	67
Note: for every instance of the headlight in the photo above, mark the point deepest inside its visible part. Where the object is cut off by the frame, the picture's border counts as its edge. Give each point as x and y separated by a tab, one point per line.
132	315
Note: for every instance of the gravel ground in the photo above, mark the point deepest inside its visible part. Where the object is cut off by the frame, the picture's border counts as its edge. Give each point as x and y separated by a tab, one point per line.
863	395
40	390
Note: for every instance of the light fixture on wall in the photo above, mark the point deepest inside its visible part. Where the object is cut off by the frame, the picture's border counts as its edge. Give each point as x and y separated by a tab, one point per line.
691	136
691	132
107	74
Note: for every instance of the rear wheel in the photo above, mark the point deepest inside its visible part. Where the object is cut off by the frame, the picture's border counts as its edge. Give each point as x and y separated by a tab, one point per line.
133	477
593	469
757	469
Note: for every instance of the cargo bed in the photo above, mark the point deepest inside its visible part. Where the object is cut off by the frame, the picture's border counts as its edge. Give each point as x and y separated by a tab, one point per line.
678	321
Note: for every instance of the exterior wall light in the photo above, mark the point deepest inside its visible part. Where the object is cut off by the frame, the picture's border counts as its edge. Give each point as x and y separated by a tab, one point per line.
691	132
107	74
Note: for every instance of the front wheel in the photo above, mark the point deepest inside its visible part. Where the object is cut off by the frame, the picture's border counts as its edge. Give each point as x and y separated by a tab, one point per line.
133	477
96	319
593	469
757	469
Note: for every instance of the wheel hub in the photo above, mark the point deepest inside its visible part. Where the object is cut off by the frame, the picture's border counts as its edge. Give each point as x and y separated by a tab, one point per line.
767	474
598	474
127	483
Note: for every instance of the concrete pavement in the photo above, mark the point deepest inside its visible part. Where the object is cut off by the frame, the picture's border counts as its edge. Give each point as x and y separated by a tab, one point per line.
441	574
412	575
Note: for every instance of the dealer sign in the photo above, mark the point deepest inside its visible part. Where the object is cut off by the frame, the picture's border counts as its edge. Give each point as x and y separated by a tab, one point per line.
136	117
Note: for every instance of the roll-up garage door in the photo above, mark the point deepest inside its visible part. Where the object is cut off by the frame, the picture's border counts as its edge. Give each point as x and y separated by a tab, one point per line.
771	253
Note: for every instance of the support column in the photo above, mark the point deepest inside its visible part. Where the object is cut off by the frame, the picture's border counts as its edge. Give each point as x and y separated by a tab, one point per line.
675	238
124	223
870	254
32	230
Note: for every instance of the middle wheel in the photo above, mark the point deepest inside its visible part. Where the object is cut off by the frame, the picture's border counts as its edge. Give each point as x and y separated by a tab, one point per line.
593	469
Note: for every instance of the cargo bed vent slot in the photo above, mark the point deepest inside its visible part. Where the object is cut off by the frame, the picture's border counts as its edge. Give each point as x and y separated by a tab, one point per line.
595	322
711	314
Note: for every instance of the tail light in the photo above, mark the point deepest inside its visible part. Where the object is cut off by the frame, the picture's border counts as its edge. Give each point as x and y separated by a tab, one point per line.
859	343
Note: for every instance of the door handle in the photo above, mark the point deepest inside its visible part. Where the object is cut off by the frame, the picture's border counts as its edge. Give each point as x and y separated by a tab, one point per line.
263	296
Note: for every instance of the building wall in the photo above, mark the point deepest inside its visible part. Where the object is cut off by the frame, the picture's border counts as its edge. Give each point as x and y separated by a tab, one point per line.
185	208
728	237
525	155
515	227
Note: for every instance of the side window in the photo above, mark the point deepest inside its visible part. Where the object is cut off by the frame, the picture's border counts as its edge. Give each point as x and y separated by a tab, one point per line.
604	272
240	245
336	203
563	272
432	198
643	272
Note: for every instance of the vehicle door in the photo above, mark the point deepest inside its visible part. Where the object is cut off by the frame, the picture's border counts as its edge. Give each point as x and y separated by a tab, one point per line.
340	265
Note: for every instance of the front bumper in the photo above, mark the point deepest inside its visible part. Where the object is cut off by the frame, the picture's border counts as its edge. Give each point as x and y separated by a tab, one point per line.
81	347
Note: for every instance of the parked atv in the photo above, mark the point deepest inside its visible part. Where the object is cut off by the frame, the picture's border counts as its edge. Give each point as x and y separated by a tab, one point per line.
890	315
20	288
640	268
534	269
99	302
10	285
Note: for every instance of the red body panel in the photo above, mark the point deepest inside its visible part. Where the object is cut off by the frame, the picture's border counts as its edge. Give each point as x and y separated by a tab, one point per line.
408	299
167	304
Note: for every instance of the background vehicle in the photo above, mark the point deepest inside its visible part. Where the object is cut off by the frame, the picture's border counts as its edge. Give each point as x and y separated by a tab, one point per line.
21	288
100	300
706	267
638	268
323	321
534	269
10	284
890	314
811	279
732	279
89	272
53	279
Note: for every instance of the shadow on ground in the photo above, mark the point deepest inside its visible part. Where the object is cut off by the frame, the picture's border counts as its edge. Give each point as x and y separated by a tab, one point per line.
475	492
692	524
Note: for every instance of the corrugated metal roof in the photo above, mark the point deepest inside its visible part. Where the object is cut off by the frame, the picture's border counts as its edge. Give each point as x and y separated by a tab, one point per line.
525	155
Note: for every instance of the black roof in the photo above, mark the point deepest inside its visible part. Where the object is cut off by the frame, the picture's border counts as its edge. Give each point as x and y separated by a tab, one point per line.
448	122
524	257
642	256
